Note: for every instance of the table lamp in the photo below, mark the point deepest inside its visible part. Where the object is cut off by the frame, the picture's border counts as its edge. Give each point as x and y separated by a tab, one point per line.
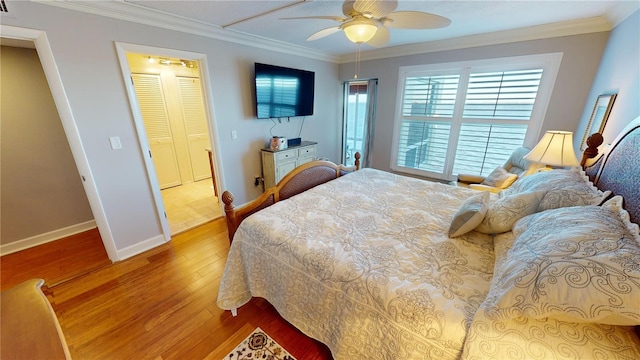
554	149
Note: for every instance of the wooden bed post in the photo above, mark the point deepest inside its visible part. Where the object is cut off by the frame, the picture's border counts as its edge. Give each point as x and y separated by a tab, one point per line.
227	199
357	162
591	151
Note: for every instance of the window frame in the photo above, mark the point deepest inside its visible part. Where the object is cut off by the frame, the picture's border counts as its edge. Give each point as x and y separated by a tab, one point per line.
549	62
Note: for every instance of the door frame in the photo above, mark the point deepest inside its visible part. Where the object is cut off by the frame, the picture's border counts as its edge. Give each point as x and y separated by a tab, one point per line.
123	49
369	125
45	54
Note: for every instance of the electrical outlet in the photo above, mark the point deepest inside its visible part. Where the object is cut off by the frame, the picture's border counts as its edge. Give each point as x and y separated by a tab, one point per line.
257	181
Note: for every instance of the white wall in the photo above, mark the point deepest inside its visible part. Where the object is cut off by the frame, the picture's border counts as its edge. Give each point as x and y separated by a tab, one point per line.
85	54
579	64
619	72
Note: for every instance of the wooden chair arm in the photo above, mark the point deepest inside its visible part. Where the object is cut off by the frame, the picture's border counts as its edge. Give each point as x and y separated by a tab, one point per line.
30	328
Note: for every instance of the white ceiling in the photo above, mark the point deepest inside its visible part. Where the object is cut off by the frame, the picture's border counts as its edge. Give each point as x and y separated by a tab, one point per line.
263	18
259	23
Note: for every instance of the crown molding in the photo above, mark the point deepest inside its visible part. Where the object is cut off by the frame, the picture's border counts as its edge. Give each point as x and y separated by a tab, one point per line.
138	14
566	28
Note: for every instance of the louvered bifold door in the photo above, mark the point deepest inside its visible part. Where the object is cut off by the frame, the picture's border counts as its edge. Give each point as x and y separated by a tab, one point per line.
156	122
195	122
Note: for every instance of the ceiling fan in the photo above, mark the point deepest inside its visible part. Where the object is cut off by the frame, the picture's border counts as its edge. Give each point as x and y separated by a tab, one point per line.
367	21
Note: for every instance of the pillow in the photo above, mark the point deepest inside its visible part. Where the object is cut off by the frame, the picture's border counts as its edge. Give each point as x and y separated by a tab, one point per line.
564	188
576	264
500	178
570	197
469	215
507	210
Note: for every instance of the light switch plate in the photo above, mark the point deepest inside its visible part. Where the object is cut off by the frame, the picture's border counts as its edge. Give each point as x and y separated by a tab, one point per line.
115	142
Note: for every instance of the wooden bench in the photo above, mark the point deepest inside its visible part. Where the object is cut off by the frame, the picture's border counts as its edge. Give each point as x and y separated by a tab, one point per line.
30	328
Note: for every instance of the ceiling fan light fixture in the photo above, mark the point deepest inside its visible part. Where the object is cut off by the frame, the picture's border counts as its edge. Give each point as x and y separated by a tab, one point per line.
360	30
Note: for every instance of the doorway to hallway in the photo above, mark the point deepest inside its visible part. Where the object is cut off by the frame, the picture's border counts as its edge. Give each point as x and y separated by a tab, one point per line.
174	127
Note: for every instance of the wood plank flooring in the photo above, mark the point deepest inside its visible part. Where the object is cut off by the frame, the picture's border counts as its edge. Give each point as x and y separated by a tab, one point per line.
161	305
55	261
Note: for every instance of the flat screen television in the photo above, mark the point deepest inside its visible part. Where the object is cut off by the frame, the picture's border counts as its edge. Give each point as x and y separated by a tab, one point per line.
283	92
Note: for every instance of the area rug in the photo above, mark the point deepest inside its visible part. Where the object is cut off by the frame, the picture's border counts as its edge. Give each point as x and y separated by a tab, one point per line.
259	345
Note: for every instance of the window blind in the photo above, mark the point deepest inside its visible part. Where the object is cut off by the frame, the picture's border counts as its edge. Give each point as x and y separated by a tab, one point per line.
433	96
423	145
502	95
483	147
424	136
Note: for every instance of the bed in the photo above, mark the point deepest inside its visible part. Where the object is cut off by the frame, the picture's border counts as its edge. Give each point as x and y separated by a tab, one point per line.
381	266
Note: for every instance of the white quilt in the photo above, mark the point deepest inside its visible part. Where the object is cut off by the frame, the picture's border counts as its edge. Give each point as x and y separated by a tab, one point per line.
364	264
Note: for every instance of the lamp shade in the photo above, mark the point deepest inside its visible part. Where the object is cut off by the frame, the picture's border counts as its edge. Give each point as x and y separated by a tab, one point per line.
554	149
360	30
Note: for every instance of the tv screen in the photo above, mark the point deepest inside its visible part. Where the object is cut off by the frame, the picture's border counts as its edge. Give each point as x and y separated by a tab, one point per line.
283	92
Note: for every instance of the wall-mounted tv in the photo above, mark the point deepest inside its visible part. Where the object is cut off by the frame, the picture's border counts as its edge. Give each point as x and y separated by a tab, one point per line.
283	92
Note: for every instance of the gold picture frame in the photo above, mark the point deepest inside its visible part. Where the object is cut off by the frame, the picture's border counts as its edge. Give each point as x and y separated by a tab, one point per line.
599	116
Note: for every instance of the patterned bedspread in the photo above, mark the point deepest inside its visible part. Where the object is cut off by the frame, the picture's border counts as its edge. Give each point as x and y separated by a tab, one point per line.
364	264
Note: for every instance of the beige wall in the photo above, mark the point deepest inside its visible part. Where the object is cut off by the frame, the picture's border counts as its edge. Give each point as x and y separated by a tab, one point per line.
40	190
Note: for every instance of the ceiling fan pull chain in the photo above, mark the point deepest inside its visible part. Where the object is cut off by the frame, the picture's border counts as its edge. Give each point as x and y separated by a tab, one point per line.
357	60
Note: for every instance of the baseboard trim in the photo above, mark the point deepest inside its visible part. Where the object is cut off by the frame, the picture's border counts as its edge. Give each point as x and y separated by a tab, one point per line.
140	247
50	236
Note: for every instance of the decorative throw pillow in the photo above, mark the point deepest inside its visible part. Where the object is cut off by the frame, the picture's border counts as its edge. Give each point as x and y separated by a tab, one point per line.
502	214
569	197
564	188
500	178
470	214
576	264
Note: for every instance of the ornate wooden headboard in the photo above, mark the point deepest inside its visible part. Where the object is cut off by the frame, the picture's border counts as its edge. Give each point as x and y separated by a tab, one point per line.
300	179
619	170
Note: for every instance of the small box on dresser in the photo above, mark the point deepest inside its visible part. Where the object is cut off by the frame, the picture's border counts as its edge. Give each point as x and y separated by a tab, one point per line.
278	163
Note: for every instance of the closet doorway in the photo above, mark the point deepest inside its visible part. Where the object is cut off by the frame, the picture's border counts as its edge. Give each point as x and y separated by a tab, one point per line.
172	108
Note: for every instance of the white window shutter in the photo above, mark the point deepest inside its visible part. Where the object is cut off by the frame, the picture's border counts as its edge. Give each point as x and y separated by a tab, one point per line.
502	95
468	117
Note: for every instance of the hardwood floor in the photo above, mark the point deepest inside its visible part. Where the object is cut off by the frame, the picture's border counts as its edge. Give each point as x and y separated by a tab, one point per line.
161	305
55	261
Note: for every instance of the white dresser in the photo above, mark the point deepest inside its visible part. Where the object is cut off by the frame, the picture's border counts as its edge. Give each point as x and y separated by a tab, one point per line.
278	163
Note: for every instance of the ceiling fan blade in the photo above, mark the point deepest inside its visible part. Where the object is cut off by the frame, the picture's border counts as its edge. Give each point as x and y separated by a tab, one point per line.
377	8
381	38
322	33
336	18
415	20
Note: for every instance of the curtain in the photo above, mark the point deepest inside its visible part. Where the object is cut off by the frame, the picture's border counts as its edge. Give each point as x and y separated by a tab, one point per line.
372	94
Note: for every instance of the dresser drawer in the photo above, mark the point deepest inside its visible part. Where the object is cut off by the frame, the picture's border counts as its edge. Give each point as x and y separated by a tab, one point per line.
284	155
309	151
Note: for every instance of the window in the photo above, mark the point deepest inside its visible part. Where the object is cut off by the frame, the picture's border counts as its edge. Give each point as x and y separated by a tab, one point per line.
469	117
